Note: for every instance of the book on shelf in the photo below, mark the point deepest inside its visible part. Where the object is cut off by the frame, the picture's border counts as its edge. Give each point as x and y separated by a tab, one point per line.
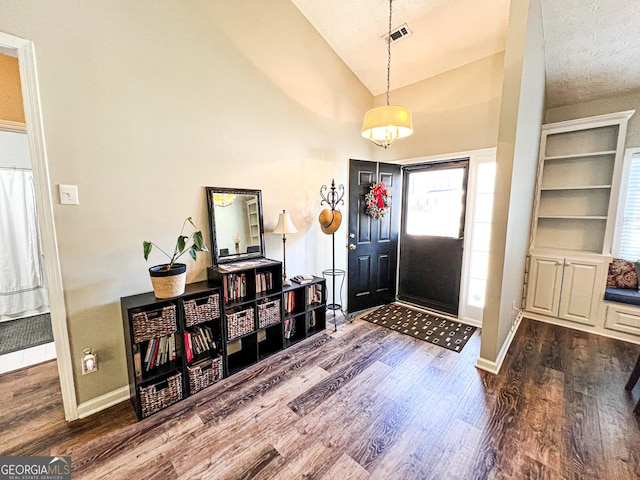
197	341
235	286
287	328
302	279
159	351
314	294
289	302
264	281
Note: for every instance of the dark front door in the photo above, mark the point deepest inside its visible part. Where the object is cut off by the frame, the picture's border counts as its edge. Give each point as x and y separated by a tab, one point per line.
432	234
373	243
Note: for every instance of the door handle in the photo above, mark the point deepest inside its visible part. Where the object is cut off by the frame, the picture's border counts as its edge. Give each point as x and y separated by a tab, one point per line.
352	246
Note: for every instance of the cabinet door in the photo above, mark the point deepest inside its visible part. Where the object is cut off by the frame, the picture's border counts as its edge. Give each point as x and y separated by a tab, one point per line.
545	280
579	300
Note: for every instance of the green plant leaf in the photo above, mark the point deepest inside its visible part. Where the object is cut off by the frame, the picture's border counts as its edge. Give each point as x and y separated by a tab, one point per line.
182	243
146	247
198	242
191	222
192	252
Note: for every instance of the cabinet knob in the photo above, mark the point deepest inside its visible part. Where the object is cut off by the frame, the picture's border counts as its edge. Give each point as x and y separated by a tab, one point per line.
568	264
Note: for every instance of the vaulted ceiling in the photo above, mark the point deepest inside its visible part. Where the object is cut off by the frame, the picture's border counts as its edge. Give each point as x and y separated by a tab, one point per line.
592	47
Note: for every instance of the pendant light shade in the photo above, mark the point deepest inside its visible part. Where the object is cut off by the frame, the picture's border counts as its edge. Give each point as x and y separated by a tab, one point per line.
383	125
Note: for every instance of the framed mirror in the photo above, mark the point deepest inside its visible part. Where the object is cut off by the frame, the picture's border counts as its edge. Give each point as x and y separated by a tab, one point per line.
235	223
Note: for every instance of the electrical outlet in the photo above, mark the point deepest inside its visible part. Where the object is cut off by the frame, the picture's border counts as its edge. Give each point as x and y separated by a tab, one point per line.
89	362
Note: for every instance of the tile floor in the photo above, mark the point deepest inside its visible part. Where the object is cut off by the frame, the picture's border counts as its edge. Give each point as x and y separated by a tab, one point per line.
27	357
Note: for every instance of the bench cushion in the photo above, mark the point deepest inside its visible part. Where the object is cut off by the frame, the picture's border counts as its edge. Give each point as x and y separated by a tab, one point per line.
622	295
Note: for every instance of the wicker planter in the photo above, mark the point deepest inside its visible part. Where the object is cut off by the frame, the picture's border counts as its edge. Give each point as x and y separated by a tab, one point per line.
168	283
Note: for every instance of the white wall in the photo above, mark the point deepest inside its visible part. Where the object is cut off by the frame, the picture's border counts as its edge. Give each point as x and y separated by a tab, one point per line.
144	104
518	139
456	111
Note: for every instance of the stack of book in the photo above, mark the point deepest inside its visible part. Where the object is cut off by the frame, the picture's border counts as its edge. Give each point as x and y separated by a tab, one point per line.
198	341
235	286
160	351
302	279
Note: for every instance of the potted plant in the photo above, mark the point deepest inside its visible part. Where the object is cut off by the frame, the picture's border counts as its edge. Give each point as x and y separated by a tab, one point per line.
169	279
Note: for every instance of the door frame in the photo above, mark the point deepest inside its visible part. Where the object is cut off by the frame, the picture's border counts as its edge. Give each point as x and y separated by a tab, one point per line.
37	152
474	156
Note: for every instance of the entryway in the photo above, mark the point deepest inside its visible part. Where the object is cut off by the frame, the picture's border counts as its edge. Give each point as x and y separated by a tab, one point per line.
436	258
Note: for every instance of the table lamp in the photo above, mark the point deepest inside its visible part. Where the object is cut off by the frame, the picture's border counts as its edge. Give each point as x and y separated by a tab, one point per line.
284	226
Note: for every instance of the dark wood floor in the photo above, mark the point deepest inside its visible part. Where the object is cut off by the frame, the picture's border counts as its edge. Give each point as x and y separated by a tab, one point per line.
362	403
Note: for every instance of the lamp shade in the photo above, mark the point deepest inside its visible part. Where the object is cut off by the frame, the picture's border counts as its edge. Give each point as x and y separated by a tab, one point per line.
284	225
383	125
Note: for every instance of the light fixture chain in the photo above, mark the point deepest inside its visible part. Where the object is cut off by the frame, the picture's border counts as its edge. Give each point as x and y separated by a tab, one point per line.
389	52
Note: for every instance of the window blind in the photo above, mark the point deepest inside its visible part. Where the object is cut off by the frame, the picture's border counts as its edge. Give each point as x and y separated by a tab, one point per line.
630	234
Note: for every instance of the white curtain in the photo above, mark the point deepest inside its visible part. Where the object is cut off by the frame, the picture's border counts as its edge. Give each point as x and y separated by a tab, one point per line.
22	285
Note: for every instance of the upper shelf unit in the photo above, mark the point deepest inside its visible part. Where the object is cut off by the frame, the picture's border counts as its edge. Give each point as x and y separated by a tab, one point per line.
579	170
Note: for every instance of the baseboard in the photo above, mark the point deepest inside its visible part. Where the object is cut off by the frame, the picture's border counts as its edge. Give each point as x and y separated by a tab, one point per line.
494	367
103	402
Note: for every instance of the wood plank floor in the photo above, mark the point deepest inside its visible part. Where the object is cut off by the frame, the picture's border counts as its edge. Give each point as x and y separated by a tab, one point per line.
362	403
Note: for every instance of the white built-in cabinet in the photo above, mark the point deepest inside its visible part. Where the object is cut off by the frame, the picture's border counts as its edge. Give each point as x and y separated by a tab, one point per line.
565	287
579	169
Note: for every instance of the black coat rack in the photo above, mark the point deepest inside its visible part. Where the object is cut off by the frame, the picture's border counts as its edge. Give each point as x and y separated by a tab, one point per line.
333	197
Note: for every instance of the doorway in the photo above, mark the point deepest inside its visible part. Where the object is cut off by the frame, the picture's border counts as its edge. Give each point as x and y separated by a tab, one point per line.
432	234
24	50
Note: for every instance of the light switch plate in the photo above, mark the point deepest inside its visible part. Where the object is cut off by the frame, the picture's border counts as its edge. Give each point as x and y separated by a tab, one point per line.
68	194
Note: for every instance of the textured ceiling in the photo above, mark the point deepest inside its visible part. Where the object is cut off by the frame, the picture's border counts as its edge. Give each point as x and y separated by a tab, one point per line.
446	34
592	47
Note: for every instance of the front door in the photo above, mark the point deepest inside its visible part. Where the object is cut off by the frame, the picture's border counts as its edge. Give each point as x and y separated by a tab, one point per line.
432	234
373	243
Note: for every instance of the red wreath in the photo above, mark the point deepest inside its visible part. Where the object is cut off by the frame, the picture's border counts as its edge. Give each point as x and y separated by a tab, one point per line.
377	200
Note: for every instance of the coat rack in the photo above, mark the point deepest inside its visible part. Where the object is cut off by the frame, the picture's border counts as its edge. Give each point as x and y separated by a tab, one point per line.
333	197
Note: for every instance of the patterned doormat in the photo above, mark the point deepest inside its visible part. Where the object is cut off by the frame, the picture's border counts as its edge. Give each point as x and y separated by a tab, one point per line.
25	332
428	327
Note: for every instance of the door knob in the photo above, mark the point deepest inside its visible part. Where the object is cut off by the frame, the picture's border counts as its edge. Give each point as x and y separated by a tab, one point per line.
352	246
352	235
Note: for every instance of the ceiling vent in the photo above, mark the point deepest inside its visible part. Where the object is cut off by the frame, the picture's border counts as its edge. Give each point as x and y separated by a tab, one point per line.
399	33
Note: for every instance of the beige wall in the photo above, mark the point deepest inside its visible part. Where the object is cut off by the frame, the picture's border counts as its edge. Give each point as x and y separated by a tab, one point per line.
452	112
620	103
145	103
516	161
10	90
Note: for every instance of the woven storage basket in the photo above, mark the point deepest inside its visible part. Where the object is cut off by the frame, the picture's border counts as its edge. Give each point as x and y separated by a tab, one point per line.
160	395
195	312
154	323
201	376
268	313
240	323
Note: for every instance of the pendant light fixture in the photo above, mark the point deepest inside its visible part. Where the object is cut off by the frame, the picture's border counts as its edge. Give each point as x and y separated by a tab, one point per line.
383	125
